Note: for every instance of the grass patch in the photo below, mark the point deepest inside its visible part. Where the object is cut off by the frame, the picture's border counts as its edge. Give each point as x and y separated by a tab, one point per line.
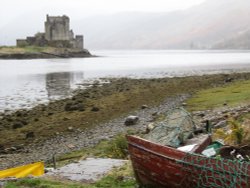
231	95
29	49
118	178
43	183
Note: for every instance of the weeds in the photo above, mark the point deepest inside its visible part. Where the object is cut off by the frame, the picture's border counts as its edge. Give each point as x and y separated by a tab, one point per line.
234	135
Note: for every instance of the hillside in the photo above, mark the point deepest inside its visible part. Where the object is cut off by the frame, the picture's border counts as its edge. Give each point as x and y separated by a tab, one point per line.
240	40
201	26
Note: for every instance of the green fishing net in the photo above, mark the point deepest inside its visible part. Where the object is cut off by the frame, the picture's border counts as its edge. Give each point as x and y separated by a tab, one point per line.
174	128
204	172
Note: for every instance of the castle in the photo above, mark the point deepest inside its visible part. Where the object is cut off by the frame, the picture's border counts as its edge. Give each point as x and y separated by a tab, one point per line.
57	34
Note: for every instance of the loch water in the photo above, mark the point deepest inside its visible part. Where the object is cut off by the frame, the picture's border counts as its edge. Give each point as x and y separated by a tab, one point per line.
26	83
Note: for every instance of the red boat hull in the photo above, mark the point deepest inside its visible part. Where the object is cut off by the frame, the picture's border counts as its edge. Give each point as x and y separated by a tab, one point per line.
165	167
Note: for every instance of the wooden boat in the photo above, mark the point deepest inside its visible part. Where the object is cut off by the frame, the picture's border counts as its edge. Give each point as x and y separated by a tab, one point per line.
161	166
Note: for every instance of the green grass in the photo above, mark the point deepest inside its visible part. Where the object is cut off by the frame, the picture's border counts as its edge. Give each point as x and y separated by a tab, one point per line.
26	49
233	94
43	183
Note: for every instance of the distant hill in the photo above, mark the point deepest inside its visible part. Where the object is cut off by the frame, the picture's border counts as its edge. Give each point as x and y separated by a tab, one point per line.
202	26
240	40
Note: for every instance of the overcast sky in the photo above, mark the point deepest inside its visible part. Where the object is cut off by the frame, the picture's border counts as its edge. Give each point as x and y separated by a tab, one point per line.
76	9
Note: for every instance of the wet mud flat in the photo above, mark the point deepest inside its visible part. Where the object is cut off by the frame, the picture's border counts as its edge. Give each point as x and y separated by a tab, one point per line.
94	114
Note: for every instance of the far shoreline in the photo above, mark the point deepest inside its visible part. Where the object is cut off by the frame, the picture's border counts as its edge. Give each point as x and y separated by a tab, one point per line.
34	52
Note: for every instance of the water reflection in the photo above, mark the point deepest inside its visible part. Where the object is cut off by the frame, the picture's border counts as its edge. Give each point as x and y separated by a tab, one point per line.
61	84
58	84
25	91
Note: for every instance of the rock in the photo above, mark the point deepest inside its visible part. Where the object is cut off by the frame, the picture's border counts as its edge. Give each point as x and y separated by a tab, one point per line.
144	106
17	125
9	119
24	122
131	120
2	184
65	119
96	83
12	148
71	146
155	114
228	80
36	119
30	135
80	107
68	107
95	109
50	113
220	124
2	149
184	104
200	114
149	127
19	114
70	129
74	107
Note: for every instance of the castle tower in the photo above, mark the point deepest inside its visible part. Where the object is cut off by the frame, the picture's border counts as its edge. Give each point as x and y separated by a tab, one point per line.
57	28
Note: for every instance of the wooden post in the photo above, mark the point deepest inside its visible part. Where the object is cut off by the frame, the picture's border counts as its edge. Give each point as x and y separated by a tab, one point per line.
208	126
54	160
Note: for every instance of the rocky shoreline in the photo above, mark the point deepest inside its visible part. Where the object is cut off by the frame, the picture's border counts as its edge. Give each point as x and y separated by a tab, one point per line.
99	113
80	139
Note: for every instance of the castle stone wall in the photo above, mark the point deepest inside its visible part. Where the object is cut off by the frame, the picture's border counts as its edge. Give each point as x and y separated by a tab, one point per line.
21	43
79	42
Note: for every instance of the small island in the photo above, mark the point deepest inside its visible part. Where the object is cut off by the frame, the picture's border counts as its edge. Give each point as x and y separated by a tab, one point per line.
58	41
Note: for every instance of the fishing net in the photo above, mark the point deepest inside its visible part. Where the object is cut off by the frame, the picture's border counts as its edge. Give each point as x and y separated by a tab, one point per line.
203	172
175	128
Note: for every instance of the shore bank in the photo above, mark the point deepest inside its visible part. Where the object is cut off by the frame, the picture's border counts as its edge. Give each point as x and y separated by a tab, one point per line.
42	53
94	114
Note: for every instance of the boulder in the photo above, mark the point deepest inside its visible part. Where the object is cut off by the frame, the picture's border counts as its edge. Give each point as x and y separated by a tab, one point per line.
131	120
